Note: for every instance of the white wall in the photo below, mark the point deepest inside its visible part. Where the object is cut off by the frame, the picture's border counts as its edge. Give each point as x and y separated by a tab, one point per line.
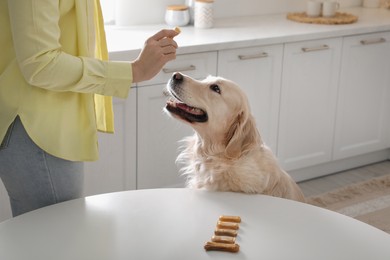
135	12
229	8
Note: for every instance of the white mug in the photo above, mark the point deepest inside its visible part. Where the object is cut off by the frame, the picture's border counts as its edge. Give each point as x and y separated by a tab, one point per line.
329	8
313	8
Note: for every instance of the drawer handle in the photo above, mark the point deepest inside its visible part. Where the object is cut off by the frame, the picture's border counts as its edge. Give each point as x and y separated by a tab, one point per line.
253	56
189	68
319	48
373	41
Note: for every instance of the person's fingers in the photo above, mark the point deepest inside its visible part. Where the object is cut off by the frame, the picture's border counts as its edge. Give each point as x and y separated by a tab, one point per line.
163	34
158	50
167	42
168	50
169	57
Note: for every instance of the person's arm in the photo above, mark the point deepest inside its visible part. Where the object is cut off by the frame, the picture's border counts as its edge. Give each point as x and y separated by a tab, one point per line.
43	64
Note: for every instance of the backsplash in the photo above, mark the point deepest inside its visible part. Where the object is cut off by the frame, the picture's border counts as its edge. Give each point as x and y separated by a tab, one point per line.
135	12
229	8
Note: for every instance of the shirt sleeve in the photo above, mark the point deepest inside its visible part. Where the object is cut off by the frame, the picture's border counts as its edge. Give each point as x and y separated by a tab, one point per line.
43	63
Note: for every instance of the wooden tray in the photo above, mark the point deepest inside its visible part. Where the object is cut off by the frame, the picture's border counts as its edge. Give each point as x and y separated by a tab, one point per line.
339	18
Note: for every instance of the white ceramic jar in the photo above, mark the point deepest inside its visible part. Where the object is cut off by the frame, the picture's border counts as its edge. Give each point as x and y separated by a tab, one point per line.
177	15
204	14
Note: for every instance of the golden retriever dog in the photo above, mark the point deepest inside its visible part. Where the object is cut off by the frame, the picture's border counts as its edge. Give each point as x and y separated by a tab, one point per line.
226	152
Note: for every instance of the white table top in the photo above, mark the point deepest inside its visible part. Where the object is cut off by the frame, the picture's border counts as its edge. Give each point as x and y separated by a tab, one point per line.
175	224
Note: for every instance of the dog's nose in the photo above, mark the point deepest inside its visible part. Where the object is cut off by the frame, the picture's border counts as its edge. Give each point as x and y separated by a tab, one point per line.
177	77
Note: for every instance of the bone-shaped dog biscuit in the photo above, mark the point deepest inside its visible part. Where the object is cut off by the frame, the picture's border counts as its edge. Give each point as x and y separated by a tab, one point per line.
227	225
223	239
222	247
225	232
225	218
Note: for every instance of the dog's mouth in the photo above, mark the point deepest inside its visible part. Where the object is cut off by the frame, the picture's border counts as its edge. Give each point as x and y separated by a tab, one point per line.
184	111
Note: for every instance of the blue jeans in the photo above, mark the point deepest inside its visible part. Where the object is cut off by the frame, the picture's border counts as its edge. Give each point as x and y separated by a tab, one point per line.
34	178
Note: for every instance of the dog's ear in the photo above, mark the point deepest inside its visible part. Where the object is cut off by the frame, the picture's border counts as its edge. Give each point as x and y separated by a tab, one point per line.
241	135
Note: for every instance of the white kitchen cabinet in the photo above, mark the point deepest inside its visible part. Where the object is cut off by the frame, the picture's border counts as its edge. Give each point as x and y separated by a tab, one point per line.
158	141
158	135
363	115
116	168
257	71
308	102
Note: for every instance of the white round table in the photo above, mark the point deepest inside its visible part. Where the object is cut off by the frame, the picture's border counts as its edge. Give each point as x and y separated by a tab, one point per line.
175	224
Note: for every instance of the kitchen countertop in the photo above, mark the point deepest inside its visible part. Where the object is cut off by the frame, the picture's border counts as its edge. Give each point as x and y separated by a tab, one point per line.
126	42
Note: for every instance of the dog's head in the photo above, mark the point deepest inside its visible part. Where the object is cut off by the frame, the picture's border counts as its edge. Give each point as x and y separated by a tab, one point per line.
216	108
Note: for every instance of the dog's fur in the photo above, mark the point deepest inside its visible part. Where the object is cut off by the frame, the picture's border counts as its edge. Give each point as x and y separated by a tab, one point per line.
226	153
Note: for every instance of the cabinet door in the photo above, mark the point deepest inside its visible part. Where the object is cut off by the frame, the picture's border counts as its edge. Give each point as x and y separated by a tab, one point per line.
363	114
258	72
116	168
308	102
158	134
158	141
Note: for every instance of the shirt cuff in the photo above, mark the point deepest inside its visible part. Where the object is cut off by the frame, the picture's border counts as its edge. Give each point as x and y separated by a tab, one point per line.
118	79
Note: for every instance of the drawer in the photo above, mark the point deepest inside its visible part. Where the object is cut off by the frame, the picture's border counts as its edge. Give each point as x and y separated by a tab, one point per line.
368	39
197	66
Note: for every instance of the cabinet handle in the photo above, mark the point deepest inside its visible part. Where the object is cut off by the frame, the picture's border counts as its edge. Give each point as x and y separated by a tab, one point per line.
253	56
373	41
189	68
319	48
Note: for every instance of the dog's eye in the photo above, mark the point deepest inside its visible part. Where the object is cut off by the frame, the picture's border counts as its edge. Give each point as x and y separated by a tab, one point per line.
215	88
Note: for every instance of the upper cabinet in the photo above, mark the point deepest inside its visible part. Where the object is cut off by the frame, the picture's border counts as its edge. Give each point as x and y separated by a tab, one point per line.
308	102
363	115
258	72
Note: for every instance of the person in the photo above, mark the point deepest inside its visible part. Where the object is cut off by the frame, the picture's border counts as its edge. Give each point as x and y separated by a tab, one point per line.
56	85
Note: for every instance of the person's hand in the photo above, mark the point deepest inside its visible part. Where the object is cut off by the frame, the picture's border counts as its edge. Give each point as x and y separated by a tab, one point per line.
158	50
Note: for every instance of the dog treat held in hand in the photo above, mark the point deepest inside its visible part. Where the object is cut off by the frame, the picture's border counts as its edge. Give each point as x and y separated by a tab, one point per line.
225	232
225	218
177	29
222	247
228	225
223	239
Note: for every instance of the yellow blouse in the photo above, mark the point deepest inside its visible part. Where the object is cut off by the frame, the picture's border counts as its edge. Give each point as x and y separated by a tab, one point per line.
50	77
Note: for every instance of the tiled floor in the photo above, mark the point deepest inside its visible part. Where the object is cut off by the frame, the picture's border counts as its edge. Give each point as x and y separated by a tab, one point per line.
338	180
